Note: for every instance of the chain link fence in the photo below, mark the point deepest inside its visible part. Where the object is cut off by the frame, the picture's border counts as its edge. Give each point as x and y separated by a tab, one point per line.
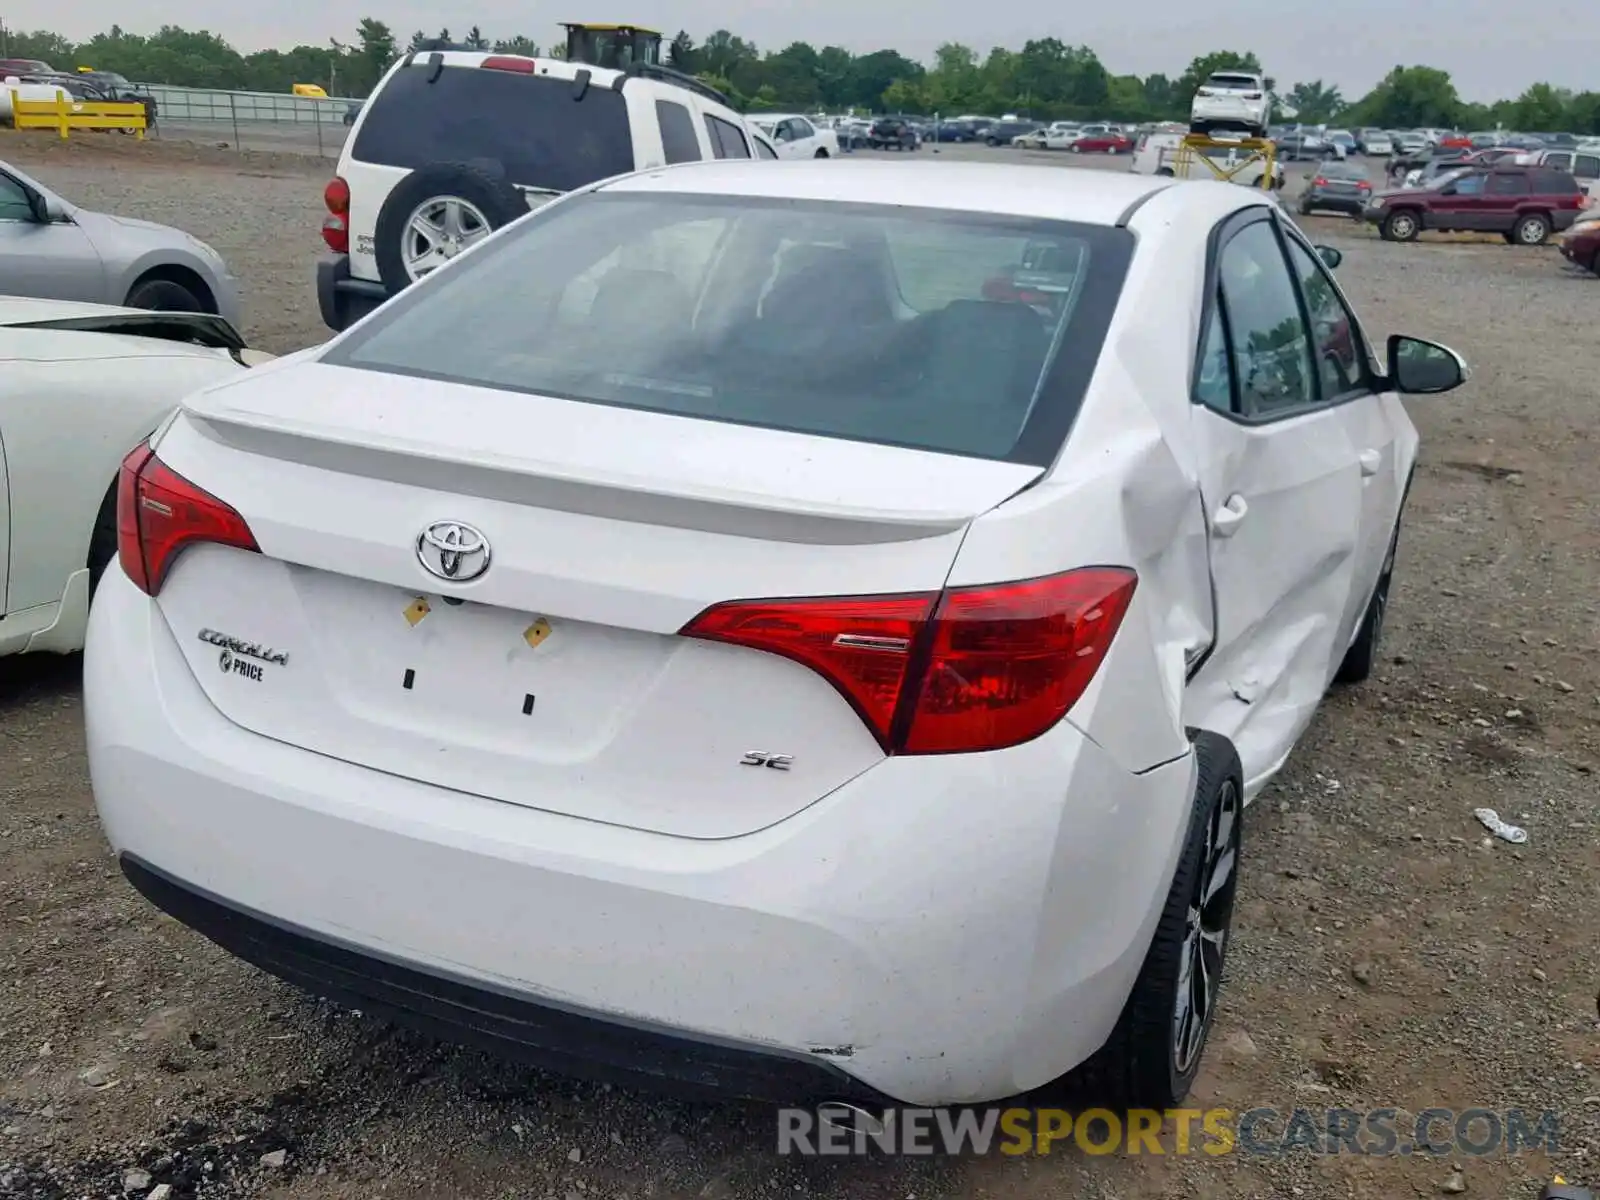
253	120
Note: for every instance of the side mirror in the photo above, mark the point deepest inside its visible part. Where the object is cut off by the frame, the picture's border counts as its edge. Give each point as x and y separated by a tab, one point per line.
1422	368
1330	256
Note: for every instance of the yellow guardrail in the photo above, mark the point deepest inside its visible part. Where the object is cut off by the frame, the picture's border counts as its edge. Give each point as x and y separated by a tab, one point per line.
66	114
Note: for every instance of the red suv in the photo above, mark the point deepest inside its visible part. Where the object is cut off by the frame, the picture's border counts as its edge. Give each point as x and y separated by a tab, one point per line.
1522	204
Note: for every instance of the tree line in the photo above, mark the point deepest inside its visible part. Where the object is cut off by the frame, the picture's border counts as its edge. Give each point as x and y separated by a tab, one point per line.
1046	79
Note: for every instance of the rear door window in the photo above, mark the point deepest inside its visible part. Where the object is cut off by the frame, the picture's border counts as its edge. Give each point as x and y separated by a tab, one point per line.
1509	183
727	139
1586	166
677	132
527	124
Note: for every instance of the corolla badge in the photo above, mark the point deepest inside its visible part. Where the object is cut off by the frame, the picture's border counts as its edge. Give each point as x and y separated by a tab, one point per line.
453	551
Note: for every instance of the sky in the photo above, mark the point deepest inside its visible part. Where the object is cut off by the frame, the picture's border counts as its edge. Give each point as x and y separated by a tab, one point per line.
1353	43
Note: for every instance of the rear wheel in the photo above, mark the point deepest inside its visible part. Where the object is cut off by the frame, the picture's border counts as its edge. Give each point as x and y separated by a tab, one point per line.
820	154
1154	1053
1532	230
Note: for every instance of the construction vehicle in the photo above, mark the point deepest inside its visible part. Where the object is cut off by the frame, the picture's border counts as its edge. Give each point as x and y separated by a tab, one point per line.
630	48
619	47
1251	160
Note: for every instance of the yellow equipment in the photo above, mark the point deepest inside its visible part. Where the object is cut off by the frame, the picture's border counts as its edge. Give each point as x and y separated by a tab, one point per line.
1246	152
615	46
310	89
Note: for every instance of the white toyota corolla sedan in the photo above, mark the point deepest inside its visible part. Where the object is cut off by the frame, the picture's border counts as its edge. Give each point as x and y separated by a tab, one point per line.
798	629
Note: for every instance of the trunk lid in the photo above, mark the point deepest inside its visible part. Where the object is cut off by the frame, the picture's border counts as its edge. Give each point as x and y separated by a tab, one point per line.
555	680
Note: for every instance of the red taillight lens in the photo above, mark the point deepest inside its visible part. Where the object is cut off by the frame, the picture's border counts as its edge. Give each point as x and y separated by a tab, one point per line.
335	230
336	234
973	669
1319	181
160	513
337	196
509	62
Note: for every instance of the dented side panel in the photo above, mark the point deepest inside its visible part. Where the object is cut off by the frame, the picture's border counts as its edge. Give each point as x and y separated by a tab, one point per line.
1283	574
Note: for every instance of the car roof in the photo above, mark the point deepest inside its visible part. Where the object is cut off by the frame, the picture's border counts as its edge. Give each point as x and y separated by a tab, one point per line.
1092	197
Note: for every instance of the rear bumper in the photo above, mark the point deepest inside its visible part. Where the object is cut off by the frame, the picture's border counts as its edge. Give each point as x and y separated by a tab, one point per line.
344	300
1354	205
939	930
455	1009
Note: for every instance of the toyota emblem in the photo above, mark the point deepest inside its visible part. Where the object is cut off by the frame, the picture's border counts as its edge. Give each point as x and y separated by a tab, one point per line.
453	551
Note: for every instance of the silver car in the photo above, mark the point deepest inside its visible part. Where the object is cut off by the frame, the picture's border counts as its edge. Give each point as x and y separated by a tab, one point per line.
53	250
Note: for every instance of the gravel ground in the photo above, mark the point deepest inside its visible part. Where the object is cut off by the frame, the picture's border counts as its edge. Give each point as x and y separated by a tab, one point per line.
1386	954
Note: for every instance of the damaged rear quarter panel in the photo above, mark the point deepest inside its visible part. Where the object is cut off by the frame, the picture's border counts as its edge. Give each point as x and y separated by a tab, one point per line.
1124	491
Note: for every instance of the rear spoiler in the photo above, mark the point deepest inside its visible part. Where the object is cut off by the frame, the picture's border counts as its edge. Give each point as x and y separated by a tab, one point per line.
196	329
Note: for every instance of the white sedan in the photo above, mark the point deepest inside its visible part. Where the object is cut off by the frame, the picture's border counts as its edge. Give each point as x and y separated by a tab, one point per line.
798	137
79	385
834	668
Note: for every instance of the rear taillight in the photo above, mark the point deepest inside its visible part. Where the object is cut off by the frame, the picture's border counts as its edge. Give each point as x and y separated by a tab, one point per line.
336	234
510	62
1319	181
335	229
337	196
969	669
160	513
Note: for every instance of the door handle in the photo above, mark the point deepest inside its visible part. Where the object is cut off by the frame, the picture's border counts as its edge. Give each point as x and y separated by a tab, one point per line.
1371	460
1228	517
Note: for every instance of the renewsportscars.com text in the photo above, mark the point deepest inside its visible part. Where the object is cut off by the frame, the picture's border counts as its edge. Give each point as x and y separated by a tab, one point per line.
1380	1132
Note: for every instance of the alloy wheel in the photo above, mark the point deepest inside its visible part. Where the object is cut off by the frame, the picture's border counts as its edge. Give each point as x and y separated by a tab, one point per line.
439	229
1206	933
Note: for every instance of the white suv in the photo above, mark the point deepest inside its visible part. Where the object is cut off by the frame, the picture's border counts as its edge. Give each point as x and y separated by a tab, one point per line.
454	144
1235	100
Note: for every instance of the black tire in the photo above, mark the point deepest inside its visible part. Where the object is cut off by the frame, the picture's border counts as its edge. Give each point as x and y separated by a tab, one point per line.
1167	171
1140	1065
1359	661
1532	230
486	190
820	154
163	295
993	141
1305	209
1402	225
1594	264
1510	238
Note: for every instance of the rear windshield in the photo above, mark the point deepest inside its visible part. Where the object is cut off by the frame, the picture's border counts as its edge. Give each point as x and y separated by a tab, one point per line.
961	333
1234	81
530	125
